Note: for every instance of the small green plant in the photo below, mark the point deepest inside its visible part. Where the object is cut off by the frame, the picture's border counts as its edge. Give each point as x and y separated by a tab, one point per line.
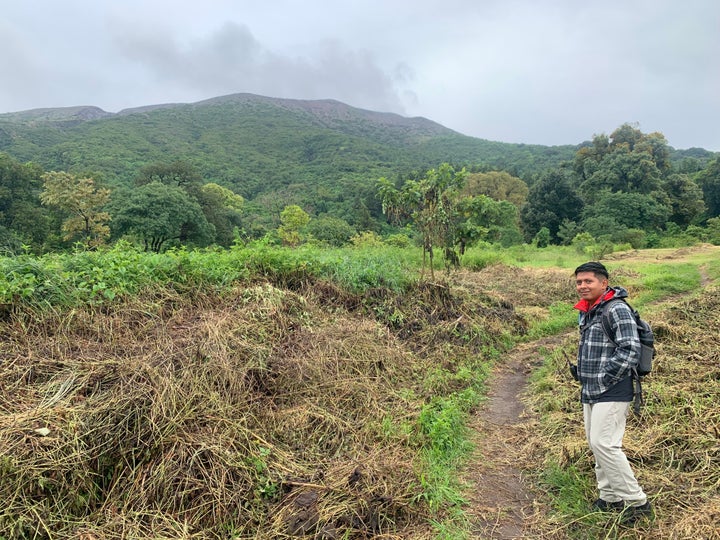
542	238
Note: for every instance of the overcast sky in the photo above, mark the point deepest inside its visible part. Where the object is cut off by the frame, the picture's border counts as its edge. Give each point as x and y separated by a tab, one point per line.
523	71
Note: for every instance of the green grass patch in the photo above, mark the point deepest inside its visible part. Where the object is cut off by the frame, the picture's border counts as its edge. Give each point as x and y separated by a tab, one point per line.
446	446
98	277
562	316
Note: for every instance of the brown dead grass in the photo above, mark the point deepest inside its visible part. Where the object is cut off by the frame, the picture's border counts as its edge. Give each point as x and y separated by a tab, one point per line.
205	419
273	413
265	413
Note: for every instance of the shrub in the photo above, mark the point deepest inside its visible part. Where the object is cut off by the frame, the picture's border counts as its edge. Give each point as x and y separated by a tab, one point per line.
542	238
366	239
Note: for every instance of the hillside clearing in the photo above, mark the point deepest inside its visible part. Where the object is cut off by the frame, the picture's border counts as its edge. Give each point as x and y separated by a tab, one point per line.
287	406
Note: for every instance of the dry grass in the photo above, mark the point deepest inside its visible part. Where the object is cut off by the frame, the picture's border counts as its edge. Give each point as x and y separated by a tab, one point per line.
270	413
525	287
264	413
172	419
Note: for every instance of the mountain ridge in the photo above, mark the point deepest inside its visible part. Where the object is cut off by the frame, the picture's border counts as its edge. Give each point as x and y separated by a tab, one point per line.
255	141
73	115
319	107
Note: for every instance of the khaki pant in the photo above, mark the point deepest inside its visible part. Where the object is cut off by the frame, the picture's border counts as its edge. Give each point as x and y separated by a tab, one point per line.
604	429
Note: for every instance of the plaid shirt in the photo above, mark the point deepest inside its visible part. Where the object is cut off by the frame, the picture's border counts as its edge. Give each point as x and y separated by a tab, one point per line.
600	364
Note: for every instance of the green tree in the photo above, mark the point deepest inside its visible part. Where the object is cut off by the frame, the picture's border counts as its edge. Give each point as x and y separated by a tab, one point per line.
685	199
588	158
159	215
223	209
622	170
331	230
482	218
498	185
23	220
178	173
83	201
552	199
603	228
542	238
616	212
626	135
628	161
656	145
568	231
709	181
429	203
713	229
292	219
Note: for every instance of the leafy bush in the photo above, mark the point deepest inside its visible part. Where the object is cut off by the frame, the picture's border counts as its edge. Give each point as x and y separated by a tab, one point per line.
398	240
366	239
582	240
542	238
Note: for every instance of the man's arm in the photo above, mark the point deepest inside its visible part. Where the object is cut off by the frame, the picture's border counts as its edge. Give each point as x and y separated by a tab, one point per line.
624	332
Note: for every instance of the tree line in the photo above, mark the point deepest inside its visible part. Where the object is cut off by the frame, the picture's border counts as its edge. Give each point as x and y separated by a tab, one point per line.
622	188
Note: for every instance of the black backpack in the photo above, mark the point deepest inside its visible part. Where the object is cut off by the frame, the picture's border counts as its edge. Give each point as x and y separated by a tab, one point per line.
647	344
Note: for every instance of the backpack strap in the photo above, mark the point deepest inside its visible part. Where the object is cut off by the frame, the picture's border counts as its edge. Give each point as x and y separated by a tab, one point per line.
637	389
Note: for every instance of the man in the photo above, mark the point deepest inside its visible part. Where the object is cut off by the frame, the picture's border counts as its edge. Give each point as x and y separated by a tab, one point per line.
605	373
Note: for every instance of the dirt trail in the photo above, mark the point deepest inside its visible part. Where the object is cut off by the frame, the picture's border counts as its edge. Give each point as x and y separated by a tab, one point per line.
500	500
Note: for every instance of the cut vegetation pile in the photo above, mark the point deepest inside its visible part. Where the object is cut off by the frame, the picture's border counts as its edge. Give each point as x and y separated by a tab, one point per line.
259	413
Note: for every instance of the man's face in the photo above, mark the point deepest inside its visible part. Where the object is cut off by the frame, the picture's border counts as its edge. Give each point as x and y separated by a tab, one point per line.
589	286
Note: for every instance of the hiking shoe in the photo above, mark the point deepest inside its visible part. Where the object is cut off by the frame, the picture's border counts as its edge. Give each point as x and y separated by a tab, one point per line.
633	514
602	505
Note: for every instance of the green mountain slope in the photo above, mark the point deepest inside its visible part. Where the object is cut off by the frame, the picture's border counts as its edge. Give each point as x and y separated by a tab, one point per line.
255	144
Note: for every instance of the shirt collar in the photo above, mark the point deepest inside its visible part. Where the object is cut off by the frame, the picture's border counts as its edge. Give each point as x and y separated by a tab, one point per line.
584	306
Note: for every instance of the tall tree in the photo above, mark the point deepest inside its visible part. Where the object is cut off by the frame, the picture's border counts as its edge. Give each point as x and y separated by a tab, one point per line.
552	199
292	219
709	180
628	161
622	170
23	220
178	173
160	215
331	230
498	185
83	201
223	209
685	199
628	210
483	218
588	157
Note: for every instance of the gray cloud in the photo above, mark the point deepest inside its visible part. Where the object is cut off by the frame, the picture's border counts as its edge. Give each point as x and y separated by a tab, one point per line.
512	70
233	60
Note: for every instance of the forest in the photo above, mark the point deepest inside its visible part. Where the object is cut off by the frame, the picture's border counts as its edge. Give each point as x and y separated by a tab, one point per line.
242	169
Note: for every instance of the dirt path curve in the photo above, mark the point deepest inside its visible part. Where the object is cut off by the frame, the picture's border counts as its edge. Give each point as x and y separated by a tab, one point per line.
500	501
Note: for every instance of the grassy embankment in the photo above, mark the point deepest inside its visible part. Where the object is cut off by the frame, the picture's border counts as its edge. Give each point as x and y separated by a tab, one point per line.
250	393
